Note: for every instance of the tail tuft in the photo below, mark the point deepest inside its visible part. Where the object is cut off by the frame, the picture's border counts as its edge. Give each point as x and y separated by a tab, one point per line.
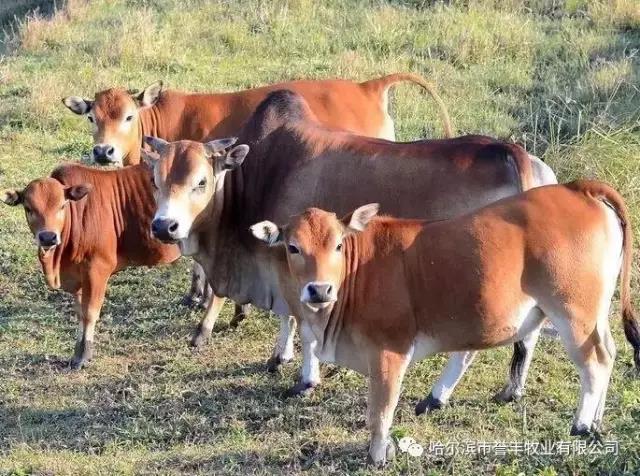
632	333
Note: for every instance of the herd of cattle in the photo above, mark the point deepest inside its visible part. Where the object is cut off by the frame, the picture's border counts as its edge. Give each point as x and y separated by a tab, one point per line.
487	248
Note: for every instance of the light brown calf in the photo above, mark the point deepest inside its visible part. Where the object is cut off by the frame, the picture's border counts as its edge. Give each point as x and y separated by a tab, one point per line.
89	224
402	290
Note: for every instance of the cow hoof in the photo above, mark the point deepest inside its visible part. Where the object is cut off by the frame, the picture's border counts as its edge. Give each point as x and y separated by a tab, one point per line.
191	300
83	354
428	405
77	363
199	341
579	430
301	389
390	455
274	363
507	395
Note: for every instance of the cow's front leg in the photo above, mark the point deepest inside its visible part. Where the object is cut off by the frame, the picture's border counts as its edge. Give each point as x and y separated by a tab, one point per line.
204	329
386	372
310	377
283	350
94	286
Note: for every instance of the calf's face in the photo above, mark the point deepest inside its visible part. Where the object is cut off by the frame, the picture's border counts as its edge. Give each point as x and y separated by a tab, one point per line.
186	175
314	247
45	203
114	116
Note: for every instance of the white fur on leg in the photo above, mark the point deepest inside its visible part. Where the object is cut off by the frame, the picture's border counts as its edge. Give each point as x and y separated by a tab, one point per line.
310	361
457	365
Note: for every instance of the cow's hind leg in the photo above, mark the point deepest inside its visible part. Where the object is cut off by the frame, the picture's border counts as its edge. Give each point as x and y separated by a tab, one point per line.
589	348
205	327
283	350
457	365
387	371
520	363
94	287
239	315
199	292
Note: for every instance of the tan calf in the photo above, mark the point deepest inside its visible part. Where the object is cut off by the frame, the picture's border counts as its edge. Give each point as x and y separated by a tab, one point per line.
377	295
88	225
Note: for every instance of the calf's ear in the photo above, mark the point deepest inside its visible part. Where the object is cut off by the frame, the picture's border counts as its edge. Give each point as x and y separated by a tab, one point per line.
235	157
76	192
216	148
157	144
149	158
268	232
12	197
149	95
77	104
360	217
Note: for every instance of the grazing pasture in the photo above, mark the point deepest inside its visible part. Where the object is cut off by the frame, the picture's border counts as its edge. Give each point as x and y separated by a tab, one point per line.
560	77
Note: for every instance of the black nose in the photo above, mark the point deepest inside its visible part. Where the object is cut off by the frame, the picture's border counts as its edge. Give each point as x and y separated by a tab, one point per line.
320	292
103	154
47	238
165	229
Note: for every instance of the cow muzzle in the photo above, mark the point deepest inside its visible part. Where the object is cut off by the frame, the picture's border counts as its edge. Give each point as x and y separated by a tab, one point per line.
318	295
47	240
165	230
105	154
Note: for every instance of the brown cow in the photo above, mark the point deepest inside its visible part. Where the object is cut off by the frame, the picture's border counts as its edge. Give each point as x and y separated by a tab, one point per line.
376	298
121	118
89	224
295	163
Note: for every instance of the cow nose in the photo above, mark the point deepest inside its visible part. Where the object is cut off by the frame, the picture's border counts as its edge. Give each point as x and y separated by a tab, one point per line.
165	229
320	292
103	153
47	238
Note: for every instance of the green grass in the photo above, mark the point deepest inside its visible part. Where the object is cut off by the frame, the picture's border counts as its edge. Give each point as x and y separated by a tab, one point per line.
561	77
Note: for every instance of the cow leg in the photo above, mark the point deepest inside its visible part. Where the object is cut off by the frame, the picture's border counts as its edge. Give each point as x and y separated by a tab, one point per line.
239	314
283	350
520	362
310	377
590	349
457	365
199	288
94	287
386	371
204	329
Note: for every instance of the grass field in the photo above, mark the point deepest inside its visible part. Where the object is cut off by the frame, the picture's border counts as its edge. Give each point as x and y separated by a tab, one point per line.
561	77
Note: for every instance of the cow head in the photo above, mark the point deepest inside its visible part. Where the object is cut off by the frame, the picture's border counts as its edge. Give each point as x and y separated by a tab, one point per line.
45	203
114	116
186	177
314	242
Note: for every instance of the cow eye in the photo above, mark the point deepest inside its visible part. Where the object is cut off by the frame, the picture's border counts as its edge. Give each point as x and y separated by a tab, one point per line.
153	182
293	249
339	247
90	119
129	118
202	183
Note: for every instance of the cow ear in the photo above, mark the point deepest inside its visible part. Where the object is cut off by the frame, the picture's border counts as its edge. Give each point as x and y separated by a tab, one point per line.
150	158
268	232
76	192
78	105
12	197
149	95
157	144
215	148
360	217
235	157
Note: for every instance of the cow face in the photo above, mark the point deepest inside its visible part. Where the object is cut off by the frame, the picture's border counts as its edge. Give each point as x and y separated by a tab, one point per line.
314	244
114	116
186	176
45	203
